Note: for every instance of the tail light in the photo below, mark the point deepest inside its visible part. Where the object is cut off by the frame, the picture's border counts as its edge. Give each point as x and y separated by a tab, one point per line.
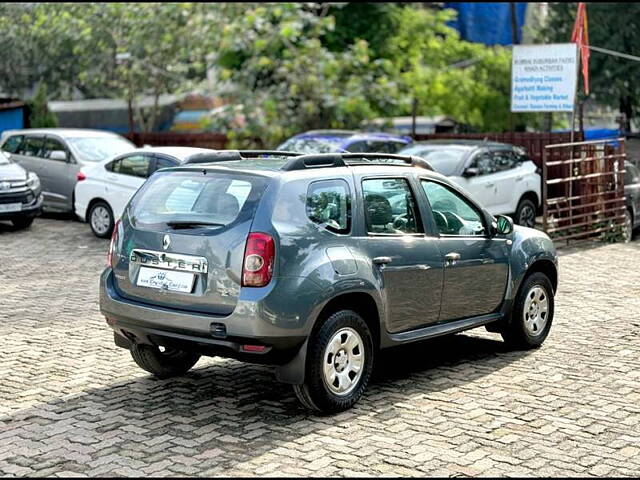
80	176
259	257
112	245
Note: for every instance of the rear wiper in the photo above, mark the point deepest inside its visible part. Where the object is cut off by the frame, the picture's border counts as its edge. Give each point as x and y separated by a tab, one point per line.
193	224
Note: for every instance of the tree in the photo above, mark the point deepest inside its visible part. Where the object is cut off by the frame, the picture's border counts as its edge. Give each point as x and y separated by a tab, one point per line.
616	26
39	114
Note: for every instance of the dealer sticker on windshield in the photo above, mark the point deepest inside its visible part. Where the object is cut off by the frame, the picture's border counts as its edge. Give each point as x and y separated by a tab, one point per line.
166	279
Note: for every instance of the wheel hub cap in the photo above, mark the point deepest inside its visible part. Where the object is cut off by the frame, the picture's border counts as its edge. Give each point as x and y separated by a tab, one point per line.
536	310
343	361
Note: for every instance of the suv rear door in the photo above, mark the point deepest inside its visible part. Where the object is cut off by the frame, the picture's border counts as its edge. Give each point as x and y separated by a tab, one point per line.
162	231
393	237
58	174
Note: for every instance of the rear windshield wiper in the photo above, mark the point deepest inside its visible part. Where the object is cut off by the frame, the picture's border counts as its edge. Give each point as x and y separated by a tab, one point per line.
194	224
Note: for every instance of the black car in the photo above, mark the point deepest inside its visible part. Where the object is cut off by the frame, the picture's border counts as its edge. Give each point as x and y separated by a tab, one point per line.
632	198
20	193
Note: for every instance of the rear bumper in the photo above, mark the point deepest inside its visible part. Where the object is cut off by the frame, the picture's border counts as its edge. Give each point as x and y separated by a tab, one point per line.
206	334
31	210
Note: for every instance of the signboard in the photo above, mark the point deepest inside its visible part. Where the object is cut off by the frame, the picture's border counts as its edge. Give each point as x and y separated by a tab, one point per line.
544	77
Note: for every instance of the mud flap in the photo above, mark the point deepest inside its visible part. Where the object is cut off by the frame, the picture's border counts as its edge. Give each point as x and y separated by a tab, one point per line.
293	371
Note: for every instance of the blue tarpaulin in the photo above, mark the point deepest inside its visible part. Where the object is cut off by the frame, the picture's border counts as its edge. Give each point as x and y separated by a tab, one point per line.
488	23
11	118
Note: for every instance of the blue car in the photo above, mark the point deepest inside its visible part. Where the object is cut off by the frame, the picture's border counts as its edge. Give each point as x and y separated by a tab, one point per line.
341	141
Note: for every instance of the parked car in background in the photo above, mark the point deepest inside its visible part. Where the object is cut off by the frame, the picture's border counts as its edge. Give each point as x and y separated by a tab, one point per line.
103	190
498	175
303	263
331	141
632	199
57	154
20	193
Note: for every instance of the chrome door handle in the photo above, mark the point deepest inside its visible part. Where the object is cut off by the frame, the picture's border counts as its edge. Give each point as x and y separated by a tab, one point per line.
382	260
452	258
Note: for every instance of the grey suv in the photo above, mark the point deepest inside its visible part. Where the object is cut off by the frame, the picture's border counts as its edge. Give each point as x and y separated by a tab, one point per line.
313	263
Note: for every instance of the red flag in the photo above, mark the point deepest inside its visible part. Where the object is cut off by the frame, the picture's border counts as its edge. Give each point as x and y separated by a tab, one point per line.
580	36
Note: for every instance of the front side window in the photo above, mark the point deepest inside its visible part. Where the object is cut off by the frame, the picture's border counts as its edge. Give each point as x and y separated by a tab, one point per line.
162	162
329	205
485	163
13	143
452	213
390	207
134	165
52	145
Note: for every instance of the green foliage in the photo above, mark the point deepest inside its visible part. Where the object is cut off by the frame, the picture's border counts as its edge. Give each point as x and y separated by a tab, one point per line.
39	114
612	81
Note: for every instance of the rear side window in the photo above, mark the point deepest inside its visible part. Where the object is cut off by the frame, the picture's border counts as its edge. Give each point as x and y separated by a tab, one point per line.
329	205
194	197
13	143
134	165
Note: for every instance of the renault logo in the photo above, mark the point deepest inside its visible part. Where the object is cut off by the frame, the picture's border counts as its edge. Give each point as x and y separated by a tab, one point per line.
166	241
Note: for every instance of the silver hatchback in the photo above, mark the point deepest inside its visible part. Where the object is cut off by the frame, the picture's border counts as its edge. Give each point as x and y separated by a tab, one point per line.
57	154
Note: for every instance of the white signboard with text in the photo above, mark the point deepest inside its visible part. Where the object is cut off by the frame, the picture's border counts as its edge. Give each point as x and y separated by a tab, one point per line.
544	77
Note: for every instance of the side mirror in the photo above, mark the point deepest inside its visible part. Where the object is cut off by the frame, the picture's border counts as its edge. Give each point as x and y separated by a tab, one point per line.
504	224
471	172
58	155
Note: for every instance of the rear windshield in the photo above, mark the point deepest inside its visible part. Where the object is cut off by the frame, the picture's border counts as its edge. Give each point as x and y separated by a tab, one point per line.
182	199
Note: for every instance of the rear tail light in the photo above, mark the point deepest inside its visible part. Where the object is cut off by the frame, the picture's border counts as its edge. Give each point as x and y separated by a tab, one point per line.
259	257
80	176
112	245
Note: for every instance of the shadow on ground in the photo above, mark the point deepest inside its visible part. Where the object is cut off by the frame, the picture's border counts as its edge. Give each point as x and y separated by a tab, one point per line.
237	409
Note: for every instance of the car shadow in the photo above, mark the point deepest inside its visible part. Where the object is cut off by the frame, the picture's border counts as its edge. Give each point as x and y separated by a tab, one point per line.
227	413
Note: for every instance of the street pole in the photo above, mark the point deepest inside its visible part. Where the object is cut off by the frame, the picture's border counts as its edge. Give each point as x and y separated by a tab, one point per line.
414	112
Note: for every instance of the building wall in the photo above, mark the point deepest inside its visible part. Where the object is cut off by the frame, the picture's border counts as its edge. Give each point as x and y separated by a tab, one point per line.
11	118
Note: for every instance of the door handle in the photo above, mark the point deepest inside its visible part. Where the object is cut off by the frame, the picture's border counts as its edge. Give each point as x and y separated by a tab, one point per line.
452	258
382	260
489	185
519	177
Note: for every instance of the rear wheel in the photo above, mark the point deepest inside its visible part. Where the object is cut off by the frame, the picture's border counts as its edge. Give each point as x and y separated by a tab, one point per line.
339	364
101	220
22	222
163	362
532	313
526	213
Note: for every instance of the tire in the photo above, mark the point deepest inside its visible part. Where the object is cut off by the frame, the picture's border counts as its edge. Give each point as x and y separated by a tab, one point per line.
23	222
101	220
163	364
526	213
627	231
341	343
521	332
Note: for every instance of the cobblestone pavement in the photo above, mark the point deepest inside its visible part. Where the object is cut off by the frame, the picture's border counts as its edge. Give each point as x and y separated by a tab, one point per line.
71	403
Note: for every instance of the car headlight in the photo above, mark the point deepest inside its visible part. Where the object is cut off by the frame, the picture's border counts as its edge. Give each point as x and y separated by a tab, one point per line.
33	182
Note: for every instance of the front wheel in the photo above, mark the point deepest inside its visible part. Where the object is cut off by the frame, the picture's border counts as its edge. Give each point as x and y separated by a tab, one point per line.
532	313
526	213
627	229
163	362
339	364
101	220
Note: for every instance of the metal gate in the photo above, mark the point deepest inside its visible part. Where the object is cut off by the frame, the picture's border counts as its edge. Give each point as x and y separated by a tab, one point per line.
583	189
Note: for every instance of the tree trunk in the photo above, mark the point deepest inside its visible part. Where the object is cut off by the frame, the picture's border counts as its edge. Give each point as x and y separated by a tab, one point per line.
626	109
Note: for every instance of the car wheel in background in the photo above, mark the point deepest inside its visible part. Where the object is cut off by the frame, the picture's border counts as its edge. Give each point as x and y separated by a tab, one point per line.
627	231
101	220
526	213
24	222
339	364
163	362
532	313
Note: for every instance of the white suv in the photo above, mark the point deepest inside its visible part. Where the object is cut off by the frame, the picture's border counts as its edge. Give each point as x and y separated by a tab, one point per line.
499	176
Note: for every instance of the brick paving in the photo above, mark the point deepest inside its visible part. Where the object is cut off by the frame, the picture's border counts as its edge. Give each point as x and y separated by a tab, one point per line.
73	404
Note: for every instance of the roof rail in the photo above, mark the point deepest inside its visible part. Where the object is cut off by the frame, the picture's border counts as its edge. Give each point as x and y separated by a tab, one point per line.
327	160
229	155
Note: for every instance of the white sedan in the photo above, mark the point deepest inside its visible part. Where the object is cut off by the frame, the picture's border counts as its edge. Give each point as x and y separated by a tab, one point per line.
104	189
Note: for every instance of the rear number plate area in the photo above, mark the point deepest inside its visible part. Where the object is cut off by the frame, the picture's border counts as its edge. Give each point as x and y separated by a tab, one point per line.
170	280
